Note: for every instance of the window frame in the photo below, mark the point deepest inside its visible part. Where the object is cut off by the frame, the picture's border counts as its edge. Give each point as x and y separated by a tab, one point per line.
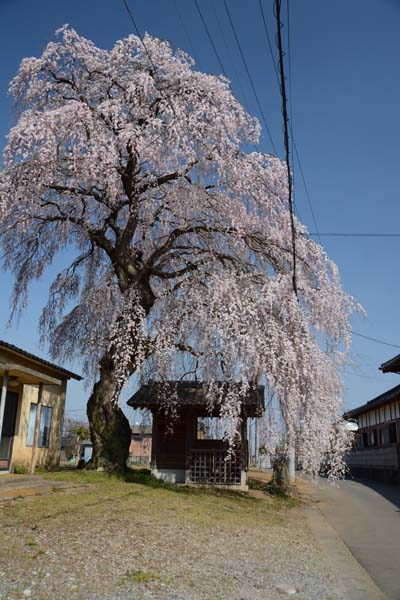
31	427
43	424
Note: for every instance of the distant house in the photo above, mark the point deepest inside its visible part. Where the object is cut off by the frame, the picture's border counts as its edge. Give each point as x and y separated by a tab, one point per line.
32	400
140	447
83	449
190	448
376	454
86	450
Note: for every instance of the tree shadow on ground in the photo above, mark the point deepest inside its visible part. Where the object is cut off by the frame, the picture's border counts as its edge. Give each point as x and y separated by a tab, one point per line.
389	491
144	477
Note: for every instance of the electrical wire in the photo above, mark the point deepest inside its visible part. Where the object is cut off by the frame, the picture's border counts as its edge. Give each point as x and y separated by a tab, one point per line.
138	32
290	95
216	53
360	235
185	29
269	41
210	38
305	187
231	59
162	92
250	77
291	119
374	340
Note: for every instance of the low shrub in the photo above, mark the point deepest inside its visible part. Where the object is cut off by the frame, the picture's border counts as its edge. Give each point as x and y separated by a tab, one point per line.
20	469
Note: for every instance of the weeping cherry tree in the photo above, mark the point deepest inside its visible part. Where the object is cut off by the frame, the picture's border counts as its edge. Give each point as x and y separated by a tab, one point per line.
136	167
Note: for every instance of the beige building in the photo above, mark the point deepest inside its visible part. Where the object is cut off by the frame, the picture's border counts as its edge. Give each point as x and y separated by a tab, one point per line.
32	401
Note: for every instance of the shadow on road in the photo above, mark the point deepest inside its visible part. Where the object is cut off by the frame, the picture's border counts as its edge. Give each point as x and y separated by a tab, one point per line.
390	492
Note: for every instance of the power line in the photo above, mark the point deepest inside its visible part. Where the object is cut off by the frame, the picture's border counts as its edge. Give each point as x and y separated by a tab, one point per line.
361	235
305	187
375	340
286	137
229	53
250	77
210	38
162	92
186	31
216	53
136	26
290	94
269	41
290	124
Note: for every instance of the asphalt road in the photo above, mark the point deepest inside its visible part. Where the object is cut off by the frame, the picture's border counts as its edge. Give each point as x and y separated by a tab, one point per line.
366	516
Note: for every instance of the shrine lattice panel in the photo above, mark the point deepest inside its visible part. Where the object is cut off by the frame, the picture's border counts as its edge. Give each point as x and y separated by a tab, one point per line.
213	467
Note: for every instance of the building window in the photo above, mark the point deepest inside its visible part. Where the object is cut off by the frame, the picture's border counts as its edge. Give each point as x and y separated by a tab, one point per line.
44	426
31	424
45	423
358	441
389	435
369	438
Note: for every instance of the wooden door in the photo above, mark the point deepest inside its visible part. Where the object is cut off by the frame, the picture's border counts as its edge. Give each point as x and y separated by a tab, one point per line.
8	431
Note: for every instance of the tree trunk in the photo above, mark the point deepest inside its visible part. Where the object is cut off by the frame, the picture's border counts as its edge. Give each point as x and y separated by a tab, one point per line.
110	431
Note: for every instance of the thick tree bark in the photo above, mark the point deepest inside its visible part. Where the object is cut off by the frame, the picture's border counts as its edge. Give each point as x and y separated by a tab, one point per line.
109	428
110	431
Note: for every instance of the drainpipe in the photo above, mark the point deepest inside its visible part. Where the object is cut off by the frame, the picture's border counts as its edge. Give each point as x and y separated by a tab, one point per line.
36	433
3	399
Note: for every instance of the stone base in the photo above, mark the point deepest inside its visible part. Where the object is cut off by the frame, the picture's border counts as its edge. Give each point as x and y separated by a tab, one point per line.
169	475
182	476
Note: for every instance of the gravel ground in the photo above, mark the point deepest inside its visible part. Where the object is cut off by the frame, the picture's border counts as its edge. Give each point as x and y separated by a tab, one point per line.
113	540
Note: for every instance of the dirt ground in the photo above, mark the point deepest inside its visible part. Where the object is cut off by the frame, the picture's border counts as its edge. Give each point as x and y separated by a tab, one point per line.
106	538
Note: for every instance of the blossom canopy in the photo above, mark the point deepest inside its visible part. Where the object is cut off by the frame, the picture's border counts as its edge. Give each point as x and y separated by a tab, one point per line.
137	166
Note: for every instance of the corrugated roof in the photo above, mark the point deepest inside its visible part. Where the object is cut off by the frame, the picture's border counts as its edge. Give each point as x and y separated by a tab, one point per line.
392	365
42	361
189	393
389	396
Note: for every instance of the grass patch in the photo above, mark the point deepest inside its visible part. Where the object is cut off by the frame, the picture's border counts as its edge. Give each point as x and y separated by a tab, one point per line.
135	524
280	497
137	576
138	493
255	484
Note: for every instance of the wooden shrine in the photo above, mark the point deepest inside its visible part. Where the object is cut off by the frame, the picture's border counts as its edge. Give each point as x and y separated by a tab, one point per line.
191	449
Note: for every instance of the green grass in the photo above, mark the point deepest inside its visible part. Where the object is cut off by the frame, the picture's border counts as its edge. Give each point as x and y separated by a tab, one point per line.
138	576
136	510
139	491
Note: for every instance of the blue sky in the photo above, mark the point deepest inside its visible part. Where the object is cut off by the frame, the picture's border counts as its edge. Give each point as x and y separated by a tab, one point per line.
345	85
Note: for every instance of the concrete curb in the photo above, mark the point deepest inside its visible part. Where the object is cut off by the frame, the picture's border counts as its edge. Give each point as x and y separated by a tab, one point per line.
353	582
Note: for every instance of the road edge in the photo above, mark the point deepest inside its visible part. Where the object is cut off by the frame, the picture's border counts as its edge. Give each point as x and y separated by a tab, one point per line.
353	581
